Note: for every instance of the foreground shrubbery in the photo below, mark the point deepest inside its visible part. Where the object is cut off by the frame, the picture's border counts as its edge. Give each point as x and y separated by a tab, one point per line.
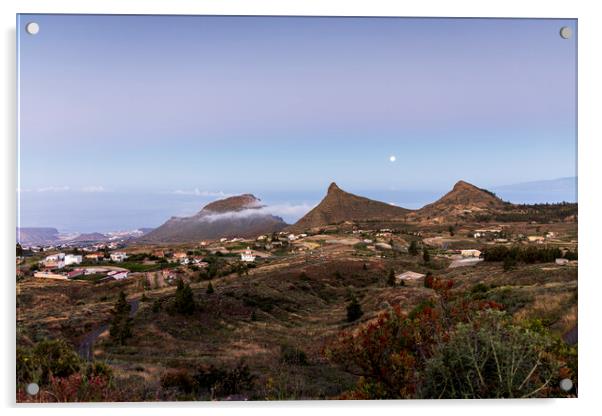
450	346
62	375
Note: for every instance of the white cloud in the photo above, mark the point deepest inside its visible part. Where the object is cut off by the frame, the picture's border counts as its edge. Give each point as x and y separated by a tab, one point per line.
288	211
54	189
198	192
93	188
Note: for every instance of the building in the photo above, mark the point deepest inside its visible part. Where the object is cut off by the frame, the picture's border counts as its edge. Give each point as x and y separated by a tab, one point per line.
536	239
94	256
54	261
562	262
180	255
75	273
247	255
118	256
408	276
50	275
118	274
470	253
73	259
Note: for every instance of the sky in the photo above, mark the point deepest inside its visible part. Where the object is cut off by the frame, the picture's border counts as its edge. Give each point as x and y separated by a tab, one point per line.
166	109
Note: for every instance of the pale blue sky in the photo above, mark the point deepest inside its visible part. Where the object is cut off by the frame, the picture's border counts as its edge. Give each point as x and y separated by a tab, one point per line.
265	104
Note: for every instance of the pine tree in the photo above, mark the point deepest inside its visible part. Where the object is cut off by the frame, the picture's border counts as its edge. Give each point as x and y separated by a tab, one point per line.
354	310
391	278
210	288
413	248
184	302
121	326
425	255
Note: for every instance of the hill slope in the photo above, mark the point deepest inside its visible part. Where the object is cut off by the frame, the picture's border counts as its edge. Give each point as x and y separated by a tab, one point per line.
237	216
464	200
338	206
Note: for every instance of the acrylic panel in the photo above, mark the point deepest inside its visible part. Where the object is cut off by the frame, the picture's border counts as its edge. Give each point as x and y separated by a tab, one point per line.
294	208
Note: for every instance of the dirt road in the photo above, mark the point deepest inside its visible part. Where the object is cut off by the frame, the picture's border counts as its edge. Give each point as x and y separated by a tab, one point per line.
86	346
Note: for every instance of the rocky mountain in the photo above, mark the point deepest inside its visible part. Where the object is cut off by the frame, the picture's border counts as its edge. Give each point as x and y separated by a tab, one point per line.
338	206
463	201
237	216
88	238
30	236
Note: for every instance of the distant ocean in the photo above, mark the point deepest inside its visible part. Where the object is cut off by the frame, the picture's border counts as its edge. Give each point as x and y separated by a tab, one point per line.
117	211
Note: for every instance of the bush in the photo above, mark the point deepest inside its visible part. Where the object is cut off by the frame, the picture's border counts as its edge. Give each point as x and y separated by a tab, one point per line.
354	310
391	278
210	289
490	358
184	299
47	359
121	325
292	355
223	382
178	379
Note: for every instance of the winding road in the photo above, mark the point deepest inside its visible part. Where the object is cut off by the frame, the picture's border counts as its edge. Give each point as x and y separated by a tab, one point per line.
86	346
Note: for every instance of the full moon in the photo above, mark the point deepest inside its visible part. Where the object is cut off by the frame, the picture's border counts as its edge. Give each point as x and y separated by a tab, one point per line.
392	158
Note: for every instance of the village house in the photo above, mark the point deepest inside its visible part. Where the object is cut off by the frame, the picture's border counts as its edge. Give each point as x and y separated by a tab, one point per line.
94	256
247	255
118	274
73	259
292	237
50	275
54	261
536	239
470	253
562	262
159	253
408	276
75	273
118	256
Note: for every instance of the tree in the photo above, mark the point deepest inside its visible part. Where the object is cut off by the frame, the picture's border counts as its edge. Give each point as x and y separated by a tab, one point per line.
413	248
19	250
509	263
209	289
184	302
391	278
451	230
121	325
425	255
354	310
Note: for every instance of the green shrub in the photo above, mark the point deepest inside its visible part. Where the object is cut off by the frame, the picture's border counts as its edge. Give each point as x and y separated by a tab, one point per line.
490	358
354	310
292	355
178	379
184	299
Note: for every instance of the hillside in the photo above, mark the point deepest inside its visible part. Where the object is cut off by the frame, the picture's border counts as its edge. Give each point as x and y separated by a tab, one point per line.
37	235
237	216
338	206
463	201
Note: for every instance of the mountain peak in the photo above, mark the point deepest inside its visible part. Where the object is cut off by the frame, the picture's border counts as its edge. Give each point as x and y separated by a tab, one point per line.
463	185
233	203
339	205
333	187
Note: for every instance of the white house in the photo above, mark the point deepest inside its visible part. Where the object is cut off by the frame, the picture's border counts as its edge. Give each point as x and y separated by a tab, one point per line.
408	276
73	259
292	237
119	256
118	274
562	262
470	253
247	255
536	239
54	261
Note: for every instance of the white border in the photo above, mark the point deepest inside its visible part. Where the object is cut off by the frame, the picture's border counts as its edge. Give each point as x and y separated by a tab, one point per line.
590	68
